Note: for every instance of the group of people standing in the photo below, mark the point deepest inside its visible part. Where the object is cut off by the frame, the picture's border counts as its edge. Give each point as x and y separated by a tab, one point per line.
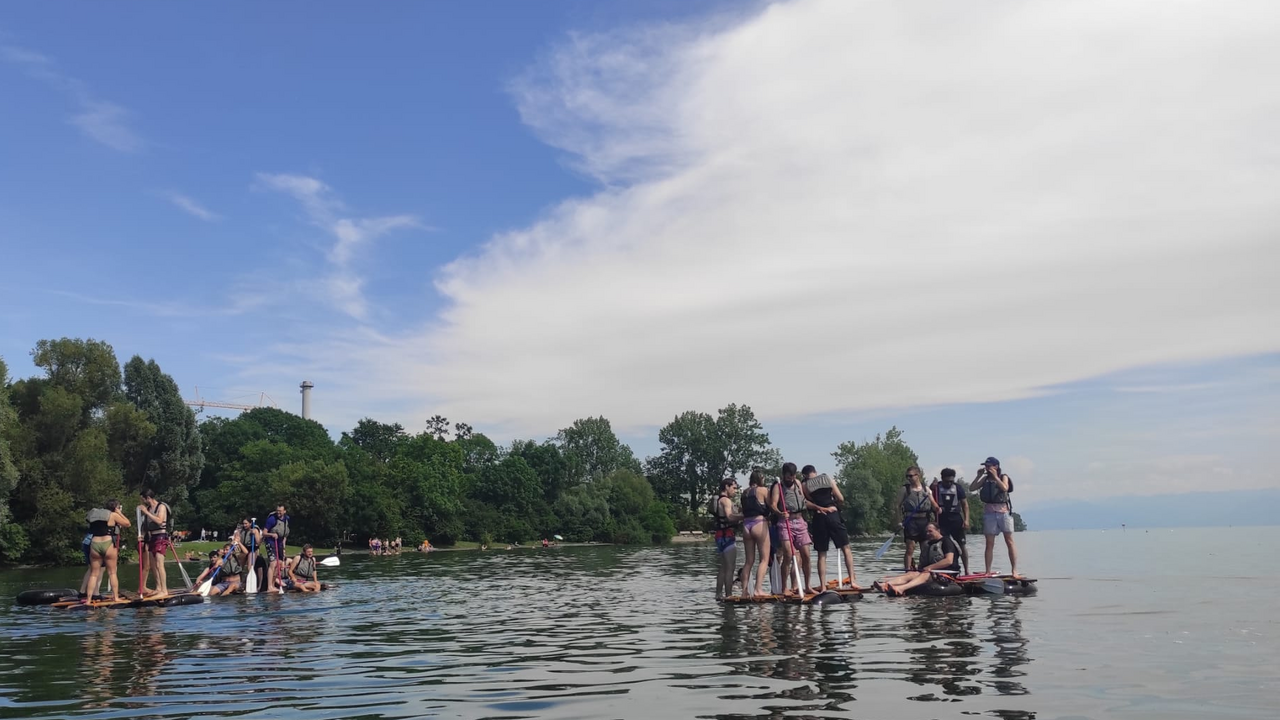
228	564
774	529
382	546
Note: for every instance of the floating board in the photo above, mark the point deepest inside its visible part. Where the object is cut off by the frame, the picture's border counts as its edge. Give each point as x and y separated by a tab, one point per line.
44	596
845	595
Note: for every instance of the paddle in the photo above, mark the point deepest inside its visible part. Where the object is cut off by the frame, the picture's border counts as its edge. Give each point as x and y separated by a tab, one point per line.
185	577
280	560
885	547
331	561
795	564
207	585
142	575
993	585
251	583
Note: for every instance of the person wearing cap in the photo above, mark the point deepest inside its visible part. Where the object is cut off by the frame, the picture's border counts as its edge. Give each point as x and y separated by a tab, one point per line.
993	488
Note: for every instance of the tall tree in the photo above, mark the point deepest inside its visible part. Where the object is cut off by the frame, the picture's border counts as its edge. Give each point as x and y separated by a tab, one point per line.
698	451
871	474
174	458
380	440
593	450
12	538
438	426
87	369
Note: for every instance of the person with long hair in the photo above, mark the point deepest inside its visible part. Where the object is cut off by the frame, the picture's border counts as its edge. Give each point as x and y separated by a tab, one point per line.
727	521
104	527
755	534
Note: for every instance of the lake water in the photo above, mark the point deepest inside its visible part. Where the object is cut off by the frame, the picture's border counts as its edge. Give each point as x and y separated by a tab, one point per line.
1155	624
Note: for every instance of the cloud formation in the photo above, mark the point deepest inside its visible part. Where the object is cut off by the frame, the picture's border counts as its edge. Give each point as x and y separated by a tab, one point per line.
191	207
102	121
835	206
343	284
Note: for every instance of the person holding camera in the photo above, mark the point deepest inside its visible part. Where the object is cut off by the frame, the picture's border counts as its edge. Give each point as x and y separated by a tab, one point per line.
994	488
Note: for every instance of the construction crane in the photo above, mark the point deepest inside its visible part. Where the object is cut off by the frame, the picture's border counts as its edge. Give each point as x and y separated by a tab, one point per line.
199	403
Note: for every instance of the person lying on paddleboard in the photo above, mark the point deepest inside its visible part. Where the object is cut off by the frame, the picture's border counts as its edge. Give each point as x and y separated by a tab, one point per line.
993	488
938	553
104	547
828	524
302	572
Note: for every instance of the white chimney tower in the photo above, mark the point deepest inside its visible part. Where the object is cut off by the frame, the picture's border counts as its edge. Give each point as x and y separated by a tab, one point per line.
306	399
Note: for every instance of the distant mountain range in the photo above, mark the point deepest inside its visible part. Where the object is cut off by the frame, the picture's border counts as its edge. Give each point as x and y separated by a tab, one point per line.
1200	509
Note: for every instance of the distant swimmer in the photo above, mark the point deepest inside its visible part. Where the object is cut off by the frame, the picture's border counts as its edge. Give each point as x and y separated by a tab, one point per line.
104	547
755	534
994	488
727	521
915	509
938	553
953	515
828	524
155	527
302	572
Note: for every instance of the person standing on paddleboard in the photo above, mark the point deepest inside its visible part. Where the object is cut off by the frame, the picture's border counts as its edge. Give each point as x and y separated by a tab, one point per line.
727	521
274	535
787	499
953	512
994	488
155	527
828	524
755	534
915	509
104	527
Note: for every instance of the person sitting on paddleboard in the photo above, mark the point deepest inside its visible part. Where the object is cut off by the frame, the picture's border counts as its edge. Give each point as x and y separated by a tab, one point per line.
302	572
828	524
915	508
953	512
104	528
787	499
274	535
228	580
994	488
939	552
155	526
727	521
249	538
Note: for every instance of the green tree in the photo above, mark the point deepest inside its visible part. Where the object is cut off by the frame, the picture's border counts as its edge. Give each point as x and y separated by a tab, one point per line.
699	451
438	427
870	475
638	515
87	369
173	458
593	450
13	541
380	440
548	462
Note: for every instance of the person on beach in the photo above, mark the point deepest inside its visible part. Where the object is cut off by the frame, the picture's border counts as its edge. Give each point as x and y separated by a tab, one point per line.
275	533
755	534
786	500
993	489
953	512
302	571
727	521
104	527
914	508
828	524
938	553
155	527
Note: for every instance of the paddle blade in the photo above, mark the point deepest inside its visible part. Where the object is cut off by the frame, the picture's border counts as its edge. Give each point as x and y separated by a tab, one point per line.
331	561
885	547
251	583
205	587
994	586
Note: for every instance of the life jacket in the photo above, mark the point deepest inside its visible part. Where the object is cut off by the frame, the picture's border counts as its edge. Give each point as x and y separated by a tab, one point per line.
99	519
751	505
280	528
824	494
935	551
246	539
949	498
793	498
231	566
159	528
916	506
724	526
305	568
991	493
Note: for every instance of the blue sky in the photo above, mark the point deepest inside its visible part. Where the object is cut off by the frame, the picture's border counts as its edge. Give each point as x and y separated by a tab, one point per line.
845	216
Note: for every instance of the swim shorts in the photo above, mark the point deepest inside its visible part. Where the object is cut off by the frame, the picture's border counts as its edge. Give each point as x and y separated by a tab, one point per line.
953	527
158	544
914	531
996	523
725	540
829	529
271	549
799	532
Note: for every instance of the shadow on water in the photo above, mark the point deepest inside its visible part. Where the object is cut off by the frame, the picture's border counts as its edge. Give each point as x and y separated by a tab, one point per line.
569	632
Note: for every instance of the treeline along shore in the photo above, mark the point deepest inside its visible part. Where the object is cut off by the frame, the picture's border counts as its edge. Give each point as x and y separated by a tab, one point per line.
87	430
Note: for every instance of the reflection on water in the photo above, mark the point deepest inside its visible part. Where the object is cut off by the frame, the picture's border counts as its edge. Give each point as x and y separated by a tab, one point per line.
563	633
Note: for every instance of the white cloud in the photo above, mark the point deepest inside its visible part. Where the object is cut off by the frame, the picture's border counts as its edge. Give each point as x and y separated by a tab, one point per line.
102	121
191	207
837	206
343	285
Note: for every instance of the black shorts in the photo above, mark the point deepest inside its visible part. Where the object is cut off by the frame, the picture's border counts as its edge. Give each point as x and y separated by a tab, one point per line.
828	529
914	531
953	528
